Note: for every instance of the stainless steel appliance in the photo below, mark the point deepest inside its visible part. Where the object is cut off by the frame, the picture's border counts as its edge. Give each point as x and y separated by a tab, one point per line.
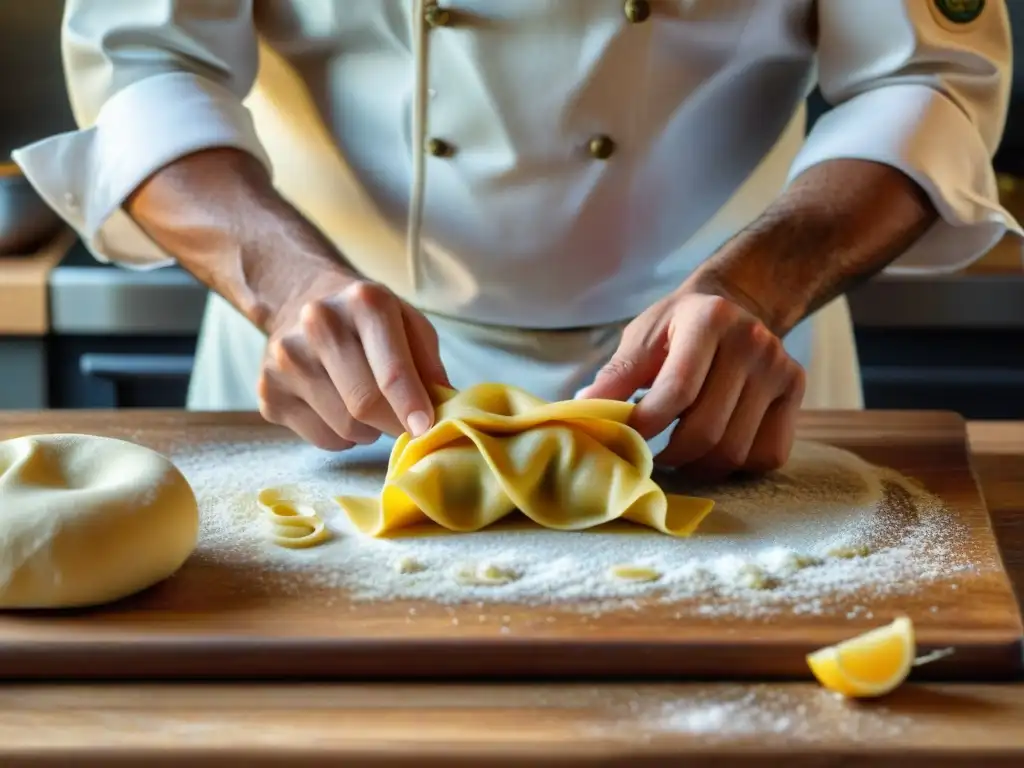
120	338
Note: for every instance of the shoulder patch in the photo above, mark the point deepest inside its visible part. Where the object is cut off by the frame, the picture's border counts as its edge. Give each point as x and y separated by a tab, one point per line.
959	11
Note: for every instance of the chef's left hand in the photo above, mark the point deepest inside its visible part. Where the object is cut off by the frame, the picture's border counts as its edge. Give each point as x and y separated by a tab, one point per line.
718	369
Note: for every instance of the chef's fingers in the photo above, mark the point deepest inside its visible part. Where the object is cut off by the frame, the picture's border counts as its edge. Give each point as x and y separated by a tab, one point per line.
701	427
292	412
303	421
292	371
426	349
775	436
769	377
378	320
679	383
734	448
339	384
323	397
633	366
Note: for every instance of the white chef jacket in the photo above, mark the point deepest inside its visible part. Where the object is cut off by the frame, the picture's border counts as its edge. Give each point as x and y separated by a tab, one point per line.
530	173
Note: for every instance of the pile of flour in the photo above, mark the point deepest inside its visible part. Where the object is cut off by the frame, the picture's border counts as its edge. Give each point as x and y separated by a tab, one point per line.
793	531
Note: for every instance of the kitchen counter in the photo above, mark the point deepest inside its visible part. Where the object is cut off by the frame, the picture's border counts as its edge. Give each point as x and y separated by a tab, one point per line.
114	301
25	322
24	301
538	725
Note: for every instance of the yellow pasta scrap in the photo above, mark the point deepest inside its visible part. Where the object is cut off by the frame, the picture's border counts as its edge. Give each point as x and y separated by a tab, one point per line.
635	573
849	553
754	577
805	561
409	565
486	575
292	525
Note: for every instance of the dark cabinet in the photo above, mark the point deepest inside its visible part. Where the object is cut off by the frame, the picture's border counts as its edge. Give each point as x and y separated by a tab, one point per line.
977	373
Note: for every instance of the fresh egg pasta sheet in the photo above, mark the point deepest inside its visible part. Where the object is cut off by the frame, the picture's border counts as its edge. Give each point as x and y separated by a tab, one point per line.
494	448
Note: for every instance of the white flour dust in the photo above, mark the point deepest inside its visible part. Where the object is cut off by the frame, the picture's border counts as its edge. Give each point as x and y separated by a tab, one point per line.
732	712
827	525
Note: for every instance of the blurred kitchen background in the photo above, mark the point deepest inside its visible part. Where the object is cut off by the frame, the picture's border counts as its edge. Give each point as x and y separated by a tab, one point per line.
77	334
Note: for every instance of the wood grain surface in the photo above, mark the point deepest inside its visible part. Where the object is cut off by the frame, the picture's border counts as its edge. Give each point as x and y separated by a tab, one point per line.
790	725
207	622
587	724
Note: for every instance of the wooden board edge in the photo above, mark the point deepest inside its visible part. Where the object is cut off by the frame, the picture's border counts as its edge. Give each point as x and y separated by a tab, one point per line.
994	656
1016	616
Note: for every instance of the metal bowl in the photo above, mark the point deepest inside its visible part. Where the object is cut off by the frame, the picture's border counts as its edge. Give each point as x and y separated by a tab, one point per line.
26	222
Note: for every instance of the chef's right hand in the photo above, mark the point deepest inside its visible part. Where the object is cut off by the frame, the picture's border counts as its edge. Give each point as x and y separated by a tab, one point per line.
348	360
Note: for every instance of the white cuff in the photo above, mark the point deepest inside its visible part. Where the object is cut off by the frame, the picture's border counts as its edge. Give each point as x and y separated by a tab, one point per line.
919	131
86	175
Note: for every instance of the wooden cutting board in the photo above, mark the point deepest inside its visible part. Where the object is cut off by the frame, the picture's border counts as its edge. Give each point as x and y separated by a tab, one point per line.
208	621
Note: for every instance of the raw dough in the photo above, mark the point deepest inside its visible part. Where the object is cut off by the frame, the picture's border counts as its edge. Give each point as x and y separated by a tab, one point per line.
494	448
408	565
635	573
86	520
486	575
292	525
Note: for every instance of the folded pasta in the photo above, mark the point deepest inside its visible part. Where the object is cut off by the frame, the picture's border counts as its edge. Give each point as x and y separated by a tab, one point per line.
494	449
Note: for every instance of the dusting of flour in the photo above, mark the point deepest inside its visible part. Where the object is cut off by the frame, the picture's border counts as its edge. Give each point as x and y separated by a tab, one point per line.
732	712
789	530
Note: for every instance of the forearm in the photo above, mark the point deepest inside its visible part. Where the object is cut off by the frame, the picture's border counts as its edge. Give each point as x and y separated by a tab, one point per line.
219	215
839	223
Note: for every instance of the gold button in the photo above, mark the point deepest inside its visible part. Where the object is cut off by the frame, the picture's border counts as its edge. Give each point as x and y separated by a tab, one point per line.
440	148
637	10
437	16
601	147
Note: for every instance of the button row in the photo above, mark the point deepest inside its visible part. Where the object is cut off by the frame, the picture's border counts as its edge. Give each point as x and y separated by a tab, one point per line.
436	16
636	11
601	147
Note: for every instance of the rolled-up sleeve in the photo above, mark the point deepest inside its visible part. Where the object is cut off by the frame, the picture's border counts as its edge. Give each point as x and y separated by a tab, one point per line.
927	93
150	81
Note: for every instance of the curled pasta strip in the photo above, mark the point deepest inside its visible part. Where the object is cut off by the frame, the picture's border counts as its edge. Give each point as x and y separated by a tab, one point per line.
292	525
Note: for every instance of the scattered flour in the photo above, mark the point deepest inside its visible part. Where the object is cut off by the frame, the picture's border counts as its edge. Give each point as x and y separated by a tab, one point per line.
765	548
730	712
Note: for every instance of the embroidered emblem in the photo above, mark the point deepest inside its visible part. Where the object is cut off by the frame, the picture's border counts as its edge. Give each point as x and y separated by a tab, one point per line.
960	11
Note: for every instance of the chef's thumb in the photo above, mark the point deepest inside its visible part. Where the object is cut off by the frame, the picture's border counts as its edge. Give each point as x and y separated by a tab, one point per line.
632	367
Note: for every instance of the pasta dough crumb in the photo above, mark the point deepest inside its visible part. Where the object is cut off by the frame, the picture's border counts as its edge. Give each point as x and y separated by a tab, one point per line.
486	575
754	577
635	573
848	553
805	561
409	565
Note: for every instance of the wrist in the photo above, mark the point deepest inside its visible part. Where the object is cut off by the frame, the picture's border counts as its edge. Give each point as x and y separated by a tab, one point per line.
218	213
280	284
838	223
746	271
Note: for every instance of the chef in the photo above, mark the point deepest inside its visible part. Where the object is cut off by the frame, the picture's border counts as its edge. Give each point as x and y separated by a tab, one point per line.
592	198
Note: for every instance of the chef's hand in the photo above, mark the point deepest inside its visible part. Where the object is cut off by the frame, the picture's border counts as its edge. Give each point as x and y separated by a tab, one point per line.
719	370
347	360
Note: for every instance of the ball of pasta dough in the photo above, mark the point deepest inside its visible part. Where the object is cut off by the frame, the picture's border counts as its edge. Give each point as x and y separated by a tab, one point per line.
86	520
